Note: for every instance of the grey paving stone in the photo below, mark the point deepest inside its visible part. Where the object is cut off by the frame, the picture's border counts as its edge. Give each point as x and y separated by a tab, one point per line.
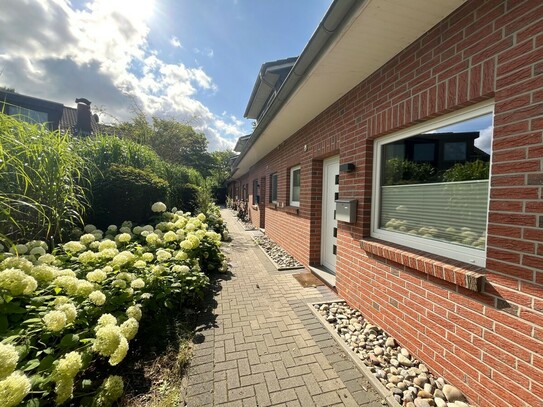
266	347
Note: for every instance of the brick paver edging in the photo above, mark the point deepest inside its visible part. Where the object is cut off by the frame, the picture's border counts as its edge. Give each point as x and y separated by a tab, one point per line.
277	266
377	385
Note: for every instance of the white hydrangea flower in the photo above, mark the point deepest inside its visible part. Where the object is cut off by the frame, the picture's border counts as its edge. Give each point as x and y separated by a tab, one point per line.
87	257
47	259
158	207
37	251
107	244
163	255
124	237
97	298
120	353
70	310
73	247
108	253
17	282
13	389
138	283
112	228
96	276
84	288
94	245
147	256
19	249
201	217
98	234
123	258
134	312
129	328
152	238
139	264
108	339
186	244
87	238
67	282
64	388
55	321
137	230
125	229
111	389
181	255
69	365
9	357
89	228
106	319
119	283
170	236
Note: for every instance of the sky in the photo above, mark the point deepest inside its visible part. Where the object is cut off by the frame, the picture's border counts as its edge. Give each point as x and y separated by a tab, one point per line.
194	61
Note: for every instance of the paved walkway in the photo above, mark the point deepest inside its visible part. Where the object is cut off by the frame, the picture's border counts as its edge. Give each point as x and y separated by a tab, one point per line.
266	347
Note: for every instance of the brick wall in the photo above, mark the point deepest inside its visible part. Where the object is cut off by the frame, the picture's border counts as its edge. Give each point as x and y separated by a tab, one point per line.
487	342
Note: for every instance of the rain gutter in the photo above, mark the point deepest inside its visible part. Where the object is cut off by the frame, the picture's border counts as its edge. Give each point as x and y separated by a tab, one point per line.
332	23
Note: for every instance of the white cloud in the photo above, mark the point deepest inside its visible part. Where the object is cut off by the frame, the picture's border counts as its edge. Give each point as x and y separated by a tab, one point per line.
174	41
53	51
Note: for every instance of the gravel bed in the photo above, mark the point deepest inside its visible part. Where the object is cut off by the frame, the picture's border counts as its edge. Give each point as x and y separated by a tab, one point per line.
408	379
277	253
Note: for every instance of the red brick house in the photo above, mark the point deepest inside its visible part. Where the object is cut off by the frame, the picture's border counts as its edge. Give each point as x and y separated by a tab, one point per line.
403	155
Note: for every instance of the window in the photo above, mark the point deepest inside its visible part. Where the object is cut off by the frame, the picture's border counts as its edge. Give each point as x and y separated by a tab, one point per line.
256	192
273	188
27	115
431	185
295	186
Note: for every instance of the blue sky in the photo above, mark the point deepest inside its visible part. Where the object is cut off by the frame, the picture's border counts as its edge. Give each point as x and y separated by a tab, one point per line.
195	61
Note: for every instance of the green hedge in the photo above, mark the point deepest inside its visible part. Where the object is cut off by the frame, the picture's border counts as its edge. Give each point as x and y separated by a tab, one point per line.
125	193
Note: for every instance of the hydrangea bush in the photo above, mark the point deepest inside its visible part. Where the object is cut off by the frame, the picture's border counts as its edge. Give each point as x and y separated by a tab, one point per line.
64	311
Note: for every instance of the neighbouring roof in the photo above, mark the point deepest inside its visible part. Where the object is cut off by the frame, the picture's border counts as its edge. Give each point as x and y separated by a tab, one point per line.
354	39
58	116
240	144
269	80
68	121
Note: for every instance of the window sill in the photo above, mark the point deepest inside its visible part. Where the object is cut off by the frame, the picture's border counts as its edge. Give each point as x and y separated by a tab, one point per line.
456	272
295	210
271	205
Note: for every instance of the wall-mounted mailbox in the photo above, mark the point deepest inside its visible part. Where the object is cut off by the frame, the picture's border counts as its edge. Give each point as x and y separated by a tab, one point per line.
346	210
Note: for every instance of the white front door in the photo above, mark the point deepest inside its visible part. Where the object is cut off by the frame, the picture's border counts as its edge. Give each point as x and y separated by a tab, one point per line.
330	193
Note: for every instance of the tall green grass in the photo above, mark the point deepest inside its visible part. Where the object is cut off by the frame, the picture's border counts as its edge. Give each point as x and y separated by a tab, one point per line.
41	192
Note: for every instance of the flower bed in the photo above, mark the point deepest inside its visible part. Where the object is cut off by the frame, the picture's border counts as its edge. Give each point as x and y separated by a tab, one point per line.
406	377
66	312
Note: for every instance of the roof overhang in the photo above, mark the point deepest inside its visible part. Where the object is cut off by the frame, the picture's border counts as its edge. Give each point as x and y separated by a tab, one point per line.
266	84
354	39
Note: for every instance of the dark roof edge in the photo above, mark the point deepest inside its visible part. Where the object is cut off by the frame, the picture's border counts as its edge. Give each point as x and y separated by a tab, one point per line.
333	21
261	73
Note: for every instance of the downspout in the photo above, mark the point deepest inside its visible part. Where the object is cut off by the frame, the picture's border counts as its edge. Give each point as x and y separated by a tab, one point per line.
334	19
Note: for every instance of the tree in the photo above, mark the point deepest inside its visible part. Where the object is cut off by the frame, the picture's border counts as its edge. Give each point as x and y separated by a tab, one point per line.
222	165
173	141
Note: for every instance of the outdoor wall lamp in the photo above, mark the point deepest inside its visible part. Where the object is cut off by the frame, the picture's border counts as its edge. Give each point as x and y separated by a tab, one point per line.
348	167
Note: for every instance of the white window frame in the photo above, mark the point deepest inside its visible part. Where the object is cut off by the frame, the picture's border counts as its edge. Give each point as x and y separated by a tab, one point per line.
292	170
457	252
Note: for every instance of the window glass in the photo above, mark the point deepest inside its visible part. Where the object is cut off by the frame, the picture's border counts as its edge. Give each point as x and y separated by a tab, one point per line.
273	187
295	186
27	115
434	184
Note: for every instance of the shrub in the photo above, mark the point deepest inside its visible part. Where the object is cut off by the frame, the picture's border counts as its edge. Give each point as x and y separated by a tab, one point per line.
125	192
41	193
468	171
399	171
68	317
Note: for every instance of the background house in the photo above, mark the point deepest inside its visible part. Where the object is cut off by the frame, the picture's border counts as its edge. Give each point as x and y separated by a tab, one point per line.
77	121
452	268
